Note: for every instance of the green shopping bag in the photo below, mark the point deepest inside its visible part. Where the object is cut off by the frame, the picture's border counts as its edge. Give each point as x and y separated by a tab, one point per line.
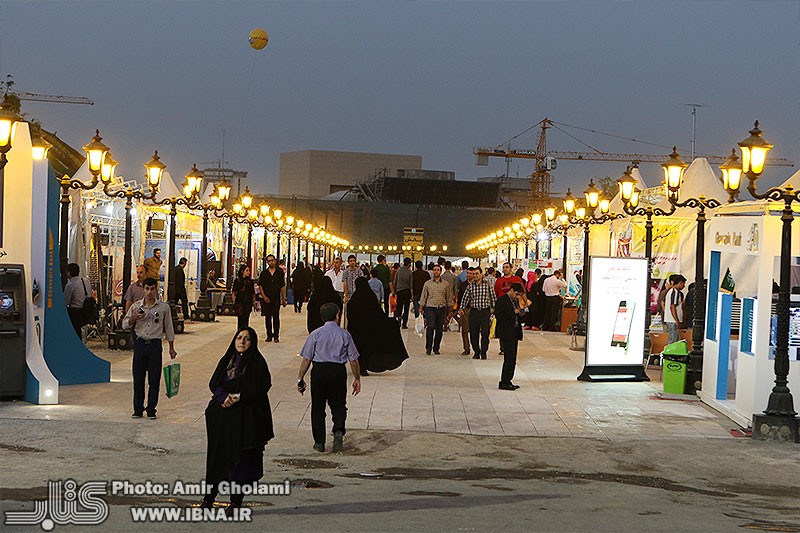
172	379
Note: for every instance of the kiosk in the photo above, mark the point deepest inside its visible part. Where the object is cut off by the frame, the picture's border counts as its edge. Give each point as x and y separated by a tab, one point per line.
739	354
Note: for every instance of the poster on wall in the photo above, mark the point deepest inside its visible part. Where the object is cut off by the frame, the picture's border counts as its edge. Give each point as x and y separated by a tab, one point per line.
616	319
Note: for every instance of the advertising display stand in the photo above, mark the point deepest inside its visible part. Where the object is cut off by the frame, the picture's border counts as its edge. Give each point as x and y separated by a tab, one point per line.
616	319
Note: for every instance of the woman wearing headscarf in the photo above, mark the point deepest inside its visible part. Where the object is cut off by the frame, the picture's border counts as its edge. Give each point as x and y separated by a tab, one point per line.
377	337
243	292
238	417
323	293
301	284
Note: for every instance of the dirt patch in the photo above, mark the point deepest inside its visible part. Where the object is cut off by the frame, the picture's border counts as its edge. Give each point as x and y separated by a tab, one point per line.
310	484
443	494
525	472
19	448
310	464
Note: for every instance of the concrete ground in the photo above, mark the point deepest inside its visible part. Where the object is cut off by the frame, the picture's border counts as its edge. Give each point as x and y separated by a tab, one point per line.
452	451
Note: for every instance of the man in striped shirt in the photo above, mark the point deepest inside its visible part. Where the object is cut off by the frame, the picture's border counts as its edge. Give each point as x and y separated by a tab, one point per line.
479	298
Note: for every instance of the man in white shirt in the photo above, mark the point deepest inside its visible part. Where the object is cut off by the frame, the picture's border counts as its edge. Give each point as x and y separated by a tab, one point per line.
552	287
150	319
336	273
673	308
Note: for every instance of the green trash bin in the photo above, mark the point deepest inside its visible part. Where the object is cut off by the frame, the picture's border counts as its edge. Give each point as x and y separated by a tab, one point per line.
673	367
673	373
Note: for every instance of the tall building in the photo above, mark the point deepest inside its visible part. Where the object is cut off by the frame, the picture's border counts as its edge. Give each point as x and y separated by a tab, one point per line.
317	173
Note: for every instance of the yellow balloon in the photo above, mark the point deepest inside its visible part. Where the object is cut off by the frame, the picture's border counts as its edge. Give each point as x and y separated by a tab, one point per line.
258	39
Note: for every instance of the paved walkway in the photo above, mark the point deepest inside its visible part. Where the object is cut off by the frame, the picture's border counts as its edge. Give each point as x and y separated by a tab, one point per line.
449	393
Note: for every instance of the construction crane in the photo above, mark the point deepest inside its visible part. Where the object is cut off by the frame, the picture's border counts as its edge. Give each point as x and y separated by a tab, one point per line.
8	90
548	160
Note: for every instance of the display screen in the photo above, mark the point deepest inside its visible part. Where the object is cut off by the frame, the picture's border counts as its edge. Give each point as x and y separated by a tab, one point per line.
7	302
622	324
618	294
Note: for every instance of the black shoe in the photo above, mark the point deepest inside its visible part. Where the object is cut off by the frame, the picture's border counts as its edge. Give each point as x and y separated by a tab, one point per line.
269	339
483	355
405	327
208	503
136	415
465	352
506	386
276	339
436	352
151	416
337	441
476	356
319	446
427	352
515	386
500	352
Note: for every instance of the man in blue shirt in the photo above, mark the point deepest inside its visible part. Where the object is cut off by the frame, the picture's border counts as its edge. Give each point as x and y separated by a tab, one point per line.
330	348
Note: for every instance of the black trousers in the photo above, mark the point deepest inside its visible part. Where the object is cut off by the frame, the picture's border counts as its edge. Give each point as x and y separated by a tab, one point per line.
509	359
403	305
434	324
272	317
386	295
551	312
76	318
180	296
299	296
479	330
243	318
328	386
146	363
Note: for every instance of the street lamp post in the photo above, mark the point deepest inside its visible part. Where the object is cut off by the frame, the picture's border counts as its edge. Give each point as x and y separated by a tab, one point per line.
630	197
96	153
191	189
779	420
673	171
8	124
154	169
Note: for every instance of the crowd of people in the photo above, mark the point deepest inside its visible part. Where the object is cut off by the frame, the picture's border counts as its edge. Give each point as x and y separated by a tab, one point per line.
355	314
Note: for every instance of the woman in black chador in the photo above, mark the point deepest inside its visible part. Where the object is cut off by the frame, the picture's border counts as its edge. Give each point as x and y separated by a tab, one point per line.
243	293
238	417
324	293
377	337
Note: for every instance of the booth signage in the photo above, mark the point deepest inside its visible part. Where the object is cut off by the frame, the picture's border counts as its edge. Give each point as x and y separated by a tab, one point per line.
616	318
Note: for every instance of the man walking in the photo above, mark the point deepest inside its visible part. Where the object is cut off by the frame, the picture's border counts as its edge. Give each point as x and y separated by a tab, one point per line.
76	291
509	331
152	265
135	290
150	319
351	274
382	272
552	287
420	278
478	300
330	348
403	287
272	283
336	273
436	298
180	287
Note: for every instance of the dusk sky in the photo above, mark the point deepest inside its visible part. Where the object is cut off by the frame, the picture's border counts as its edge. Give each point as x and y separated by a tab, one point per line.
428	78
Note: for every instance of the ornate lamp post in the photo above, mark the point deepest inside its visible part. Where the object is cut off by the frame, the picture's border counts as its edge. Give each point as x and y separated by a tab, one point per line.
191	189
95	157
630	198
779	420
8	124
673	173
154	170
